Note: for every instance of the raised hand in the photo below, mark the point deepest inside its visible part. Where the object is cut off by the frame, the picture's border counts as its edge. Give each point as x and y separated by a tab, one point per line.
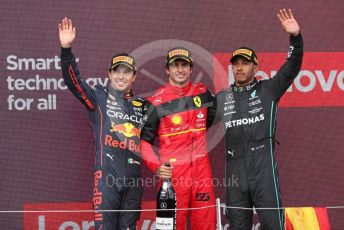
289	24
66	32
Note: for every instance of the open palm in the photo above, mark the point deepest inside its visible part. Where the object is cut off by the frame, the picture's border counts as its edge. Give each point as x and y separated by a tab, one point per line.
66	32
289	24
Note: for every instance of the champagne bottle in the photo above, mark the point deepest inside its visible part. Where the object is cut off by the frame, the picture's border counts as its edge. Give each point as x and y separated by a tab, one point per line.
166	199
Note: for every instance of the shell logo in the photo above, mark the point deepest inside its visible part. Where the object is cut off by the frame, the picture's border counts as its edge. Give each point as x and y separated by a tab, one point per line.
176	120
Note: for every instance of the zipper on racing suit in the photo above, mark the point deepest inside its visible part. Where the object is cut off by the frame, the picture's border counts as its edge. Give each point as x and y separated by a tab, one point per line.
126	107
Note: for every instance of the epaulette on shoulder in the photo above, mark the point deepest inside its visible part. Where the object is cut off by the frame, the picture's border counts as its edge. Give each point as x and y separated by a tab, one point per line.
139	99
158	93
225	89
99	87
200	84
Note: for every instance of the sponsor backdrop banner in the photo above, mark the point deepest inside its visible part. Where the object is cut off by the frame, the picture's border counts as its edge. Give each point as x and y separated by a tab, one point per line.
46	142
320	82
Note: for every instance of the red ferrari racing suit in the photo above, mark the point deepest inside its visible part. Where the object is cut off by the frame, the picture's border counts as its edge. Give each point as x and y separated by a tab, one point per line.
177	116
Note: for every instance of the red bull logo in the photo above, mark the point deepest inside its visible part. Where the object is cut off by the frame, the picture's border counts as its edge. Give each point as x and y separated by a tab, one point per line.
97	195
124	144
127	129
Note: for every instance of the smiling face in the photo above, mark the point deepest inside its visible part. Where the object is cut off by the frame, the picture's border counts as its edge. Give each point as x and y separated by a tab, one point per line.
122	78
179	72
244	71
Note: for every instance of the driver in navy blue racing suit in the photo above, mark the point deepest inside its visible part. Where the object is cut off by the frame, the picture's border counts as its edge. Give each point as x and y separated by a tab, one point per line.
116	117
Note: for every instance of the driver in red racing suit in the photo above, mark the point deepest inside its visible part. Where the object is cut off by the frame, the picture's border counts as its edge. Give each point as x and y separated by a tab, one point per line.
176	114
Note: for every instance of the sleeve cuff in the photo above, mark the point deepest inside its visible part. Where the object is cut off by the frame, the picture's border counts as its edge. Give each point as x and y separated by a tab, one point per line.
66	53
296	39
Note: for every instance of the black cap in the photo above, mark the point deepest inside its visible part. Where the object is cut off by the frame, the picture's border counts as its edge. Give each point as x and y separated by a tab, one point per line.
245	52
123	59
178	53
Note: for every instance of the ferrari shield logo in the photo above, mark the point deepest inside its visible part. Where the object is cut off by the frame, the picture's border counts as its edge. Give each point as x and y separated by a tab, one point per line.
197	101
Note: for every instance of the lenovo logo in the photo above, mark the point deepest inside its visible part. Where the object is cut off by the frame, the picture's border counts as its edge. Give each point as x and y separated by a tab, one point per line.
319	83
79	218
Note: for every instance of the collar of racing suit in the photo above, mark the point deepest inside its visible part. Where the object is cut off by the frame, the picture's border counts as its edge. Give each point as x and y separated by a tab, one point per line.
120	94
181	91
244	88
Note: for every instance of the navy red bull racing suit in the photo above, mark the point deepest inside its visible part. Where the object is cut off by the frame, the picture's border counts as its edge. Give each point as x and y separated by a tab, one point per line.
115	118
177	116
249	117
